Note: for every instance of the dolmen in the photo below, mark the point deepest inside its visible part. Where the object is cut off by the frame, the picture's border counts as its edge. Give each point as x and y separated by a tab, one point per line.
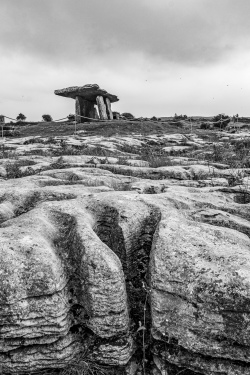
87	98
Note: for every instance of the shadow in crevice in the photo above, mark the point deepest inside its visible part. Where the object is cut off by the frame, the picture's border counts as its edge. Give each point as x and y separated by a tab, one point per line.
134	254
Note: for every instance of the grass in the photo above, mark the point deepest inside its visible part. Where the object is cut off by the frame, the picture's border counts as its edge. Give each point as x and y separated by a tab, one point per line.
50	140
107	129
129	149
40	152
13	170
155	156
235	155
160	161
59	164
7	152
29	203
80	367
80	150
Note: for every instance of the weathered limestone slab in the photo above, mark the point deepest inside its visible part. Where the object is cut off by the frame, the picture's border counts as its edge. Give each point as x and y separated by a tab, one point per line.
102	108
78	108
34	311
44	280
200	283
88	92
108	108
82	266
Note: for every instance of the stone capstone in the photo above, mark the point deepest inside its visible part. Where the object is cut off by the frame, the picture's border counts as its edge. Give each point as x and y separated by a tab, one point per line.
88	92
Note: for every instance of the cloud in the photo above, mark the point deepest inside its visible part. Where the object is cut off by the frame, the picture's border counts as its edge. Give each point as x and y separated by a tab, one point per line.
68	31
158	56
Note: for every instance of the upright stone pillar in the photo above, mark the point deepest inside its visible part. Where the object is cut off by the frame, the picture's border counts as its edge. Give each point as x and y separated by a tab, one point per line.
101	107
85	110
2	123
108	108
79	108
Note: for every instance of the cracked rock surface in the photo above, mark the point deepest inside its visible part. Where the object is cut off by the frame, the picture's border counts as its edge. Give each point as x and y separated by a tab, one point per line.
117	263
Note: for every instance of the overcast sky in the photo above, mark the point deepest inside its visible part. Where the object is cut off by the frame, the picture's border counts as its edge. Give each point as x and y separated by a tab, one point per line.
159	57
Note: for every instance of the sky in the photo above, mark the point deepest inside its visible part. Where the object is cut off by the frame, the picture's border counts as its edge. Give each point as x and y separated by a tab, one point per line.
160	57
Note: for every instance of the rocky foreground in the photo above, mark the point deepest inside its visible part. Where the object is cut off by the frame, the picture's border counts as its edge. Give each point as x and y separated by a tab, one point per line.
110	263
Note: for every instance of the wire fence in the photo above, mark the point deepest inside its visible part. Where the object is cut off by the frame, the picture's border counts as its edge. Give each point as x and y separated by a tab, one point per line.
77	116
10	118
84	117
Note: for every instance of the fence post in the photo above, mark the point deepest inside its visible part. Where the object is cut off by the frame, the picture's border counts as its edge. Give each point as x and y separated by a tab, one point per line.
2	122
75	124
